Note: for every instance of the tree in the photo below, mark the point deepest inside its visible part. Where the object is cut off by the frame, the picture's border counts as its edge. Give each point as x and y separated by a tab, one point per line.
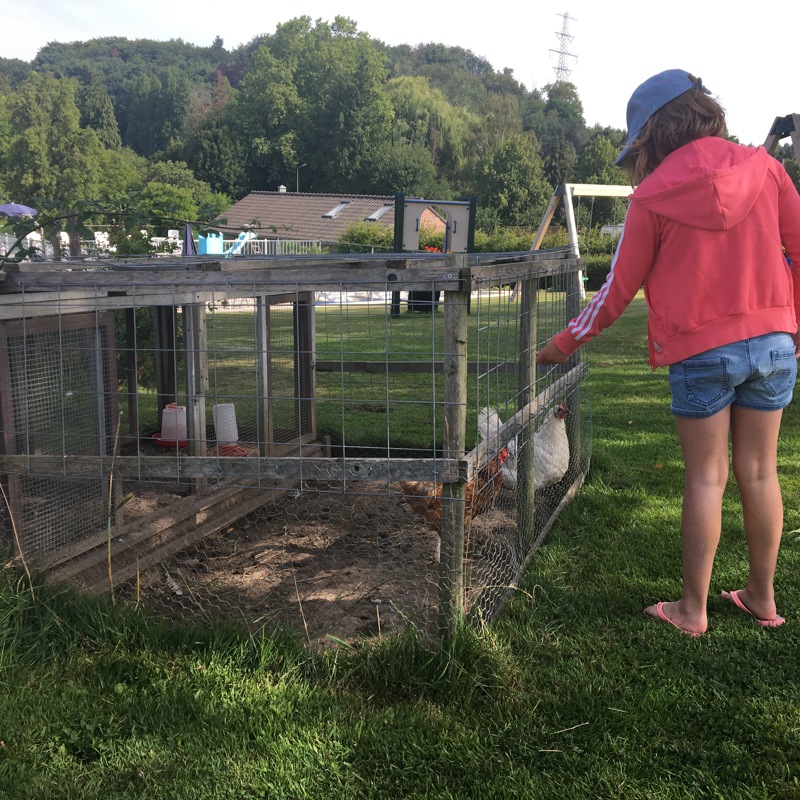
596	163
97	113
156	110
564	110
266	110
559	157
5	137
422	115
121	174
216	155
50	155
403	166
512	182
500	119
178	175
14	71
314	94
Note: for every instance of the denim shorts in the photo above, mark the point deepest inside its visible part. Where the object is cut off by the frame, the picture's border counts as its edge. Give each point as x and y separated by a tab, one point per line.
756	373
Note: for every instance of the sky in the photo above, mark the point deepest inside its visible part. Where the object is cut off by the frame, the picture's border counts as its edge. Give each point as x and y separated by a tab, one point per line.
741	56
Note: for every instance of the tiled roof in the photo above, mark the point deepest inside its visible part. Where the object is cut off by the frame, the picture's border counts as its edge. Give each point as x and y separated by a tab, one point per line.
296	215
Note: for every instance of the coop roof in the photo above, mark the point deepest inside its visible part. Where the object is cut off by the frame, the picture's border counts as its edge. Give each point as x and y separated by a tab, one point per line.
316	217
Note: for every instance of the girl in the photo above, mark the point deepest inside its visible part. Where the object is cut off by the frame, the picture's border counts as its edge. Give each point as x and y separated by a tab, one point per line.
708	232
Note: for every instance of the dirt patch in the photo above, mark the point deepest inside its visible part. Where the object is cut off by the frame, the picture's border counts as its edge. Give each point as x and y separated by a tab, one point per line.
330	564
336	565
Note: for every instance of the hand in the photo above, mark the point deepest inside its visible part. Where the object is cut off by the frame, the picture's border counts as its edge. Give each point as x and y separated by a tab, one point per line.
550	354
796	338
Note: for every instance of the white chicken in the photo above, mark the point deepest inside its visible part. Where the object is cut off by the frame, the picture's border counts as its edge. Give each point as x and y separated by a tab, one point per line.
550	447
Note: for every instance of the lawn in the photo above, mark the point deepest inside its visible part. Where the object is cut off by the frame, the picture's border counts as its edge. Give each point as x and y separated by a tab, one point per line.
572	693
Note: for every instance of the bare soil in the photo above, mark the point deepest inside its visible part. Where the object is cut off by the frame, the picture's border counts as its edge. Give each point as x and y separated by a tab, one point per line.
336	566
333	565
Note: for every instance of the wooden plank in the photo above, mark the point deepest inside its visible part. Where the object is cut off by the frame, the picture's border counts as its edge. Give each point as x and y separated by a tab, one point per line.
180	541
51	290
411	367
129	534
133	557
71	560
599	190
346	261
184	469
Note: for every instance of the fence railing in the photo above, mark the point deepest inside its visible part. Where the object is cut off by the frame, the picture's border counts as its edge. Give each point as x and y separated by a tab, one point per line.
275	247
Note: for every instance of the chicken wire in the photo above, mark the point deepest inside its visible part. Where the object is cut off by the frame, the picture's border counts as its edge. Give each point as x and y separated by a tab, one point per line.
315	376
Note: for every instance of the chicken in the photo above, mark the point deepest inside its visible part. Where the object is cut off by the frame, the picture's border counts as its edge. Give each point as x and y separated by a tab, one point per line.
550	447
480	494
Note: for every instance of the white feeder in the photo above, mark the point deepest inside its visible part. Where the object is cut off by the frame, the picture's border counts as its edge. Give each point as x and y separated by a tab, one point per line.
225	424
173	424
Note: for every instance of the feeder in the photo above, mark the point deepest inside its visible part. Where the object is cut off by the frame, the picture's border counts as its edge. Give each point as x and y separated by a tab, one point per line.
173	427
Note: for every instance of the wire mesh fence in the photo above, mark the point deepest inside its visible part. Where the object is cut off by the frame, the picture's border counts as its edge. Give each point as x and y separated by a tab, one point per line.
345	448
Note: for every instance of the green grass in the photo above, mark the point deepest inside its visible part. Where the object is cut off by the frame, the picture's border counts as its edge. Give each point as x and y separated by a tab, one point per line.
570	694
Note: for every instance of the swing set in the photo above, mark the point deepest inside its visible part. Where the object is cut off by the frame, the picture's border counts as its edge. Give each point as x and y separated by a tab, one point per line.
565	193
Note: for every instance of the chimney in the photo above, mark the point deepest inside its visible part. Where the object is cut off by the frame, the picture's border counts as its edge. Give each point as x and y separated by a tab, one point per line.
281	189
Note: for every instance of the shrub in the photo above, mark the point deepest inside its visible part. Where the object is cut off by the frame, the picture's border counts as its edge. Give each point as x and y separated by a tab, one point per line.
597	266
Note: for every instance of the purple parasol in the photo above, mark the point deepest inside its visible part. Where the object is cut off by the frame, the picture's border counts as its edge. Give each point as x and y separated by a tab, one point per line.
17	210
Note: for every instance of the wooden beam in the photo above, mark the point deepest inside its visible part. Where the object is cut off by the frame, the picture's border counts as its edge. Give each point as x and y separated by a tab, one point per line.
228	470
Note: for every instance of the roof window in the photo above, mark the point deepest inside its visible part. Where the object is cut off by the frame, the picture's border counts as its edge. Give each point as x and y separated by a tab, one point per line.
336	211
376	215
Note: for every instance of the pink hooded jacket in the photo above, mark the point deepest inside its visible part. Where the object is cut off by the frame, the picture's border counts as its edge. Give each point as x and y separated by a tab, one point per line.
708	233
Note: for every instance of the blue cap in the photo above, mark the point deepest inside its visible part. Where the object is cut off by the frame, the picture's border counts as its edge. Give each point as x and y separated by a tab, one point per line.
651	95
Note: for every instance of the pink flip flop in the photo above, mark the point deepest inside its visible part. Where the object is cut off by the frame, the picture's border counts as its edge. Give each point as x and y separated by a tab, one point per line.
733	597
664	618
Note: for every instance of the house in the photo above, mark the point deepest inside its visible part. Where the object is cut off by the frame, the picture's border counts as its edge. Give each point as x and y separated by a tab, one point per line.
312	217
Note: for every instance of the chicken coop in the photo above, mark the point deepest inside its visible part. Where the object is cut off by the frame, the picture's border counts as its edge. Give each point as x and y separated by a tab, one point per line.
289	440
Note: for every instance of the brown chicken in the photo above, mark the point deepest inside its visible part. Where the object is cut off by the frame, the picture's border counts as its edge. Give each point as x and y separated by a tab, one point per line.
480	494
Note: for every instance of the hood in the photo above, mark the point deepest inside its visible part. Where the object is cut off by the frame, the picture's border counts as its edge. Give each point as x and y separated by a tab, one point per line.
709	184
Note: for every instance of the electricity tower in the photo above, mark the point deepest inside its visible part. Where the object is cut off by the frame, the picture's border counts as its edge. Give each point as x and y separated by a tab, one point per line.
562	70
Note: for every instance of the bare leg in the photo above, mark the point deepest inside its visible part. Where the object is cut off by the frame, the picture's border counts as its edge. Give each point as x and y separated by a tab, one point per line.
704	443
755	466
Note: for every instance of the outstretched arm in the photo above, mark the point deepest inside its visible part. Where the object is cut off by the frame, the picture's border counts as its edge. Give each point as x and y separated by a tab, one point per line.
550	354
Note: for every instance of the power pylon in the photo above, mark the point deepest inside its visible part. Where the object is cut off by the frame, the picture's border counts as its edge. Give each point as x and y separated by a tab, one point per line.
564	39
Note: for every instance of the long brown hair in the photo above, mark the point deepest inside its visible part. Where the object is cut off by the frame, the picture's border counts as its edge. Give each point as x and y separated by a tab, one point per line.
691	115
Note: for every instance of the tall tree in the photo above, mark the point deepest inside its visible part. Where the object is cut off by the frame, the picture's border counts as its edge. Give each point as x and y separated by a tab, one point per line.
403	166
559	156
314	95
156	110
564	110
50	155
216	155
422	115
97	113
500	118
512	182
267	110
596	163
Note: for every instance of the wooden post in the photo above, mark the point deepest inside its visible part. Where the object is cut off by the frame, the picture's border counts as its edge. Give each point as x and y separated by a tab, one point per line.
526	462
451	565
130	371
303	376
263	377
575	293
195	333
165	356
